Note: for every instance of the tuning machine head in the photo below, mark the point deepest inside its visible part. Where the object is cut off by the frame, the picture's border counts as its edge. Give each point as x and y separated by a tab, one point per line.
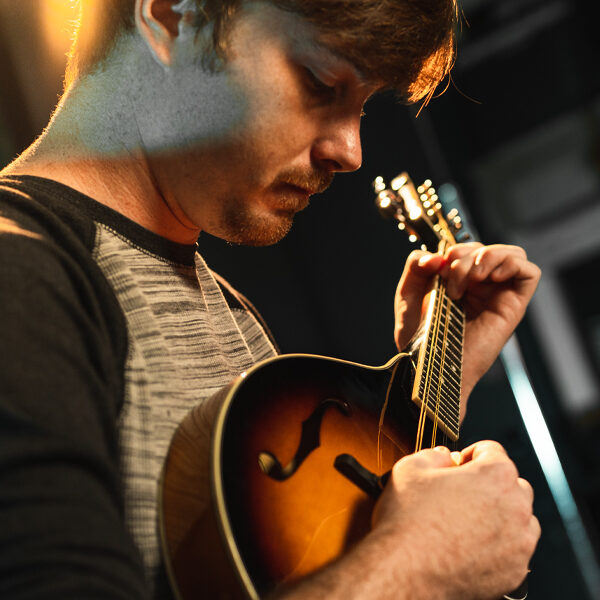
392	205
456	226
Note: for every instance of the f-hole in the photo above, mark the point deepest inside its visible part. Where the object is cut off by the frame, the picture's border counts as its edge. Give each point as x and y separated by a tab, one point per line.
309	441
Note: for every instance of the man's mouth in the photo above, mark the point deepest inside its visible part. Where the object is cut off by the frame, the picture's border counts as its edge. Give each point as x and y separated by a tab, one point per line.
292	198
309	182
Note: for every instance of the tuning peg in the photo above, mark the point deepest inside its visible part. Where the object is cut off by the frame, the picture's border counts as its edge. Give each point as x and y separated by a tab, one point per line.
388	205
378	184
413	236
399	181
425	187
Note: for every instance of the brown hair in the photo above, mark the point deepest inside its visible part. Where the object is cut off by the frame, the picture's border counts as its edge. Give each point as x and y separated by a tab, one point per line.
407	45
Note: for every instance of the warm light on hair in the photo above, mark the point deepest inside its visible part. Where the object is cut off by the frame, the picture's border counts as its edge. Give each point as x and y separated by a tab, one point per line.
405	45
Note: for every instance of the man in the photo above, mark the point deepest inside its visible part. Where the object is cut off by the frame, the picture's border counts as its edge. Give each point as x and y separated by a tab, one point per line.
221	117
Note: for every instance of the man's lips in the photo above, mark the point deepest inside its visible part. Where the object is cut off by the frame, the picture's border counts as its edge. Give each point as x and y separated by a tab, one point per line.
304	190
309	182
294	187
292	198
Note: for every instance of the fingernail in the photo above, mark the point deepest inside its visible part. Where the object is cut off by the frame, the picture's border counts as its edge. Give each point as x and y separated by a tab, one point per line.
425	259
441	449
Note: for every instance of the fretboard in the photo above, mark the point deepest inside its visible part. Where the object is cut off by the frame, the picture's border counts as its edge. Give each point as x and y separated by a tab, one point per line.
439	365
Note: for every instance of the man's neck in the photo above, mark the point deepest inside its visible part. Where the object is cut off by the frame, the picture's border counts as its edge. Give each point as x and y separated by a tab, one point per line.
93	145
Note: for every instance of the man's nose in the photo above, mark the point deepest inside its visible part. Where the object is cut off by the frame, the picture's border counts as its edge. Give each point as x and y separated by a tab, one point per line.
337	149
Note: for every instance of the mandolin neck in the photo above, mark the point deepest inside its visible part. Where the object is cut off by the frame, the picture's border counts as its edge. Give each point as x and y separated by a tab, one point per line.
439	366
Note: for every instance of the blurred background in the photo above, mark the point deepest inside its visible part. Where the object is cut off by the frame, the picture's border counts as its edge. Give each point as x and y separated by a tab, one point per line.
516	137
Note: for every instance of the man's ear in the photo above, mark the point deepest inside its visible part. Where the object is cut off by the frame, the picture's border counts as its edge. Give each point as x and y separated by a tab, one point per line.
158	25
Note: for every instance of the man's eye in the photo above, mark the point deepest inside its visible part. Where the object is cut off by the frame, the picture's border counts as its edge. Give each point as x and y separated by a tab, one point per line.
317	86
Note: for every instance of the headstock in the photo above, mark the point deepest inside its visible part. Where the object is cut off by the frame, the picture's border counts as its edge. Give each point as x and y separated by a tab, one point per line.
418	211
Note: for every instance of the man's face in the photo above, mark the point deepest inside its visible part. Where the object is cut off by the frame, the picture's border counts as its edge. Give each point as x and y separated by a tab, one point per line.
256	139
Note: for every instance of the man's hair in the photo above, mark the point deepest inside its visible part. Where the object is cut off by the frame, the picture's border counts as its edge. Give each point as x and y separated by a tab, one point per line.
405	45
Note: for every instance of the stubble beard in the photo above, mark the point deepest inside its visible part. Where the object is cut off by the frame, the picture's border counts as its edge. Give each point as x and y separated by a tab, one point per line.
251	227
244	227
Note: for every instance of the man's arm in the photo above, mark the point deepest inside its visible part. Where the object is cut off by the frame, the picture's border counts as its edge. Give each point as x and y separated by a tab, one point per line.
441	530
62	532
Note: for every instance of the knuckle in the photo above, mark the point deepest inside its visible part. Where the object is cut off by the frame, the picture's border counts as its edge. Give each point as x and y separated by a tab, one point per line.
406	463
526	487
502	471
492	445
415	255
523	513
536	529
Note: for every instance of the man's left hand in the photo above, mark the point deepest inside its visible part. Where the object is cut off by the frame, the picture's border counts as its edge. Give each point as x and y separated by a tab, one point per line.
494	285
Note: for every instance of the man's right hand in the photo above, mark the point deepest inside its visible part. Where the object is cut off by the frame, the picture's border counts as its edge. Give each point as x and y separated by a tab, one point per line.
461	524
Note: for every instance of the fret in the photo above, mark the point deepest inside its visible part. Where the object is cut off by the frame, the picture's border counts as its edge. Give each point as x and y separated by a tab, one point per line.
450	418
452	356
450	393
451	339
452	351
450	402
448	414
451	377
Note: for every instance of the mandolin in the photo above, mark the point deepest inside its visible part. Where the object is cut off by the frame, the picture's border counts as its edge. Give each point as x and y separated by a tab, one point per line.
277	475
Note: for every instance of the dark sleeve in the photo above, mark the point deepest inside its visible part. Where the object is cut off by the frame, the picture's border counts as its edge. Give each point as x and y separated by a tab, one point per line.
62	351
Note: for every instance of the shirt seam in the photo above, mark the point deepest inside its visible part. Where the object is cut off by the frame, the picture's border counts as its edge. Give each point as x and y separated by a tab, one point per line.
135	246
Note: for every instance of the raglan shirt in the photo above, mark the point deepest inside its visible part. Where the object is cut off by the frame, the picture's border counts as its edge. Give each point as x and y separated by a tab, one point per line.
109	335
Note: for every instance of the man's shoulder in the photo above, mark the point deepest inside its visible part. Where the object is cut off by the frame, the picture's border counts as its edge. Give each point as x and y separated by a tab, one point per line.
45	210
47	242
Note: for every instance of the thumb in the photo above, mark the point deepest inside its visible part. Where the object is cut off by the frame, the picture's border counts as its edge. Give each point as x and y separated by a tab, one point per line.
415	283
432	458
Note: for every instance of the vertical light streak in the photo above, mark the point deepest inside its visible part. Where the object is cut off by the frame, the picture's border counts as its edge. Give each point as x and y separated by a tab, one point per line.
544	447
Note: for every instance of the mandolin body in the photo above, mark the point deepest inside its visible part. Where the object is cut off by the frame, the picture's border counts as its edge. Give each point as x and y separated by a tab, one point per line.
278	507
277	476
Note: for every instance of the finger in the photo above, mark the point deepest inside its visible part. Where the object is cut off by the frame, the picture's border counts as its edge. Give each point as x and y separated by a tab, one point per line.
430	458
460	250
499	263
428	263
482	449
526	488
460	261
535	528
457	278
519	270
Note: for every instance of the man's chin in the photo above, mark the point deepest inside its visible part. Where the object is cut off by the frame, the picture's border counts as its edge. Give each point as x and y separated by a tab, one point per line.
262	232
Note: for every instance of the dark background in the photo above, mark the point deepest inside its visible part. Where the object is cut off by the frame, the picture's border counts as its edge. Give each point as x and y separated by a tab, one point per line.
516	135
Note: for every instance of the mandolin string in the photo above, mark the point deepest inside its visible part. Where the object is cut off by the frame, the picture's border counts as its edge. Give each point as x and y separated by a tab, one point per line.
423	412
444	301
434	329
441	294
431	344
382	418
